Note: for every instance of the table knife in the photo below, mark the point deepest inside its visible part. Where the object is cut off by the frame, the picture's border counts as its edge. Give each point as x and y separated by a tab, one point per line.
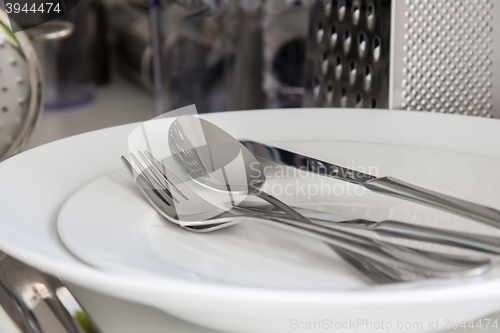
385	185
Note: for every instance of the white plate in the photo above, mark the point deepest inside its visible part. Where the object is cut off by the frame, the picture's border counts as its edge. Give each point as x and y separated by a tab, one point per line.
109	224
35	184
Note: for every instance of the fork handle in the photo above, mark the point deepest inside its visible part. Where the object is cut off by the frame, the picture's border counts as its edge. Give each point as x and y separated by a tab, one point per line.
430	264
401	189
399	257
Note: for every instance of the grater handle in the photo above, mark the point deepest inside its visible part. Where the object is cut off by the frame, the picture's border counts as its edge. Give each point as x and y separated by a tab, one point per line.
400	189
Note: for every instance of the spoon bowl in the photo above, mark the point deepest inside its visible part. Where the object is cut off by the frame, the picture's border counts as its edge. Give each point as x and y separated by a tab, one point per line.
213	158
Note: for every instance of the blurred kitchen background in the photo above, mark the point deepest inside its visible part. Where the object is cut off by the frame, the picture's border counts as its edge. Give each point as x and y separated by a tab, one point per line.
151	56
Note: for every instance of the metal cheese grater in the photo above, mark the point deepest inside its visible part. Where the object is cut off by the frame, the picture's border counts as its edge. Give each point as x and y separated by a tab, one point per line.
348	54
425	55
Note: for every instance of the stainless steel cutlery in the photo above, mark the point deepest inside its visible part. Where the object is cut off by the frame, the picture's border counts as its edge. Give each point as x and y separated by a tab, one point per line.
190	210
38	302
204	184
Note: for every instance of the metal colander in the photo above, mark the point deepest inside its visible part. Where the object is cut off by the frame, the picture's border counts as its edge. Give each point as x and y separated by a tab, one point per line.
433	55
20	89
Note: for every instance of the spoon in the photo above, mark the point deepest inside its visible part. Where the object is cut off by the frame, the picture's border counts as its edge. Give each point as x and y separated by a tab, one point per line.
213	158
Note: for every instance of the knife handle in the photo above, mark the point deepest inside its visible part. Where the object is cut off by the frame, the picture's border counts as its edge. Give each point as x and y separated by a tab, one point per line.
397	188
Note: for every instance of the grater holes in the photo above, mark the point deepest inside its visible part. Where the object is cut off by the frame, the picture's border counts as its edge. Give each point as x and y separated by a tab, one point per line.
368	77
343	97
329	93
356	12
333	37
347	40
352	72
328	8
324	63
361	44
338	68
349	44
377	48
5	108
370	11
359	100
448	44
320	33
341	9
370	16
374	103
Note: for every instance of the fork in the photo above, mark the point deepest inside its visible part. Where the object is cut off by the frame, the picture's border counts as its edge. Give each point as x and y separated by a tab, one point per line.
169	196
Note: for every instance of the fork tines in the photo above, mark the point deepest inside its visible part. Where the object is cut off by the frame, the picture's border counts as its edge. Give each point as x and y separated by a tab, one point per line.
147	175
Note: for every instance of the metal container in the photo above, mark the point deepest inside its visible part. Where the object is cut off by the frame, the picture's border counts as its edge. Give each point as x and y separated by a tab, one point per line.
20	89
229	54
